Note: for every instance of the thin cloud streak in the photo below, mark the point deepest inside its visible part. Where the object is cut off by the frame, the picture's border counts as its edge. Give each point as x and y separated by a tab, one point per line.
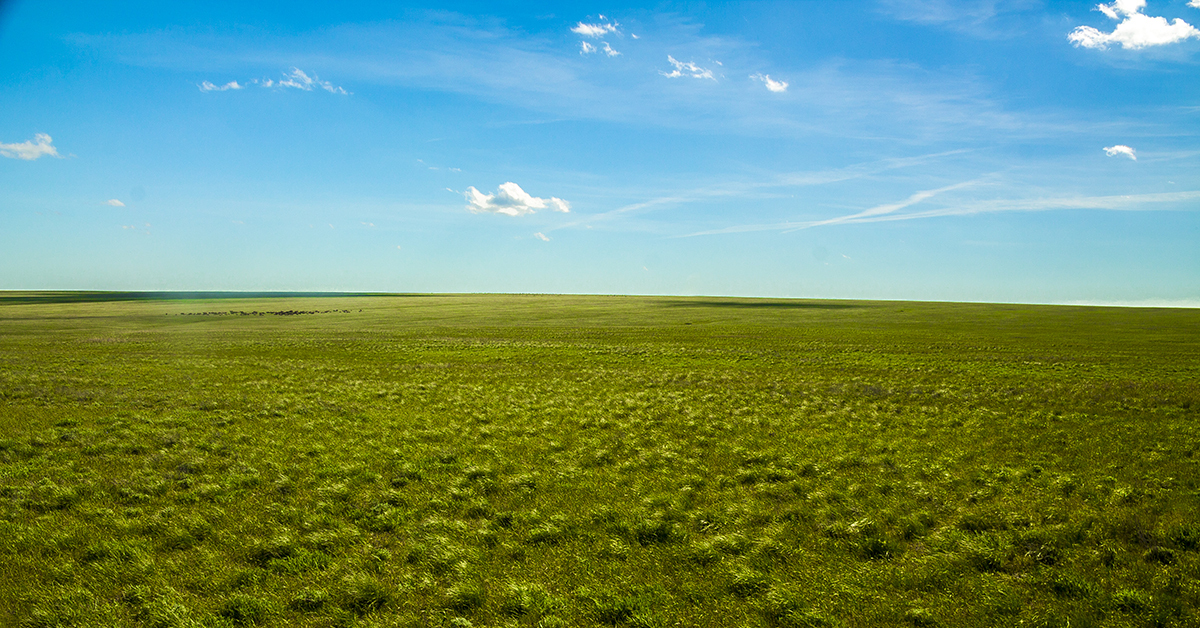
1132	202
890	208
792	179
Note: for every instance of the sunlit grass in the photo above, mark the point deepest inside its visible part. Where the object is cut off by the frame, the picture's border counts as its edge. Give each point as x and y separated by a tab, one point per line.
563	461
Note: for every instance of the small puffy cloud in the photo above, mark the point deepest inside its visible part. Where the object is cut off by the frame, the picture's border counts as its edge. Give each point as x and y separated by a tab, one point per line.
1195	4
1120	149
511	200
1136	30
586	48
541	236
30	150
773	85
609	51
114	203
595	30
206	86
687	69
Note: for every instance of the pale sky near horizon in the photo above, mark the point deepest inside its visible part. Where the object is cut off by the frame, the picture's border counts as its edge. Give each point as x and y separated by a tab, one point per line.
973	150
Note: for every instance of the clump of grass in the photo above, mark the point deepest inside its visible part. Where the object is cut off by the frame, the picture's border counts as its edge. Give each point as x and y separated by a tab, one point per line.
921	617
465	597
309	600
363	594
1132	601
261	553
526	599
245	610
745	581
655	530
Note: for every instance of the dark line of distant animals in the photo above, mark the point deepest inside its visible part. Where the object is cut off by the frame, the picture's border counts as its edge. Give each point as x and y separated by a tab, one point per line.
257	313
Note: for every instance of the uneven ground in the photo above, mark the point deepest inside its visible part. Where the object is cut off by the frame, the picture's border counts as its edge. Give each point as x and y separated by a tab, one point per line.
573	461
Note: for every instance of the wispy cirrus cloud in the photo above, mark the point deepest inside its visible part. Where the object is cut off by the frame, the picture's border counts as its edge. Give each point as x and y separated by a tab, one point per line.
206	86
687	69
890	212
853	99
879	211
745	189
295	79
112	202
595	31
510	200
586	48
40	146
986	19
1120	149
1136	29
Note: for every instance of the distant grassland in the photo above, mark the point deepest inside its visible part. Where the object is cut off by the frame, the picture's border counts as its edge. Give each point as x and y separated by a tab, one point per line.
595	461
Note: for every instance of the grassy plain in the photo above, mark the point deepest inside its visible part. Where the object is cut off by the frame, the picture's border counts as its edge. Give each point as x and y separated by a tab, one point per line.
609	461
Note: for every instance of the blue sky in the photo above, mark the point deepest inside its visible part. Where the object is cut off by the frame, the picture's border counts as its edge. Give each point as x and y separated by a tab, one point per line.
976	150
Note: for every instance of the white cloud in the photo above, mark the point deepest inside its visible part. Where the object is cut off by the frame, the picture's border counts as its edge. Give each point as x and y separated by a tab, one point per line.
1195	4
30	150
1136	30
586	48
114	203
1121	7
595	30
541	236
511	200
687	69
296	79
1120	149
209	87
773	85
299	80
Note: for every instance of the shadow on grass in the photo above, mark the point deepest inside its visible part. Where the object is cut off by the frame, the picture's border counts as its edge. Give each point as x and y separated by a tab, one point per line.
22	297
765	304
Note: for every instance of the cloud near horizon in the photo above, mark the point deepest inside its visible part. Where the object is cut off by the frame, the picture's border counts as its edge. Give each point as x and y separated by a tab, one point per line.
1137	30
1120	149
511	200
30	150
112	202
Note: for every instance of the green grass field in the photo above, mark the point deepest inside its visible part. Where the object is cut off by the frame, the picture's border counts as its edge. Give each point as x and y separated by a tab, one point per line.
551	461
